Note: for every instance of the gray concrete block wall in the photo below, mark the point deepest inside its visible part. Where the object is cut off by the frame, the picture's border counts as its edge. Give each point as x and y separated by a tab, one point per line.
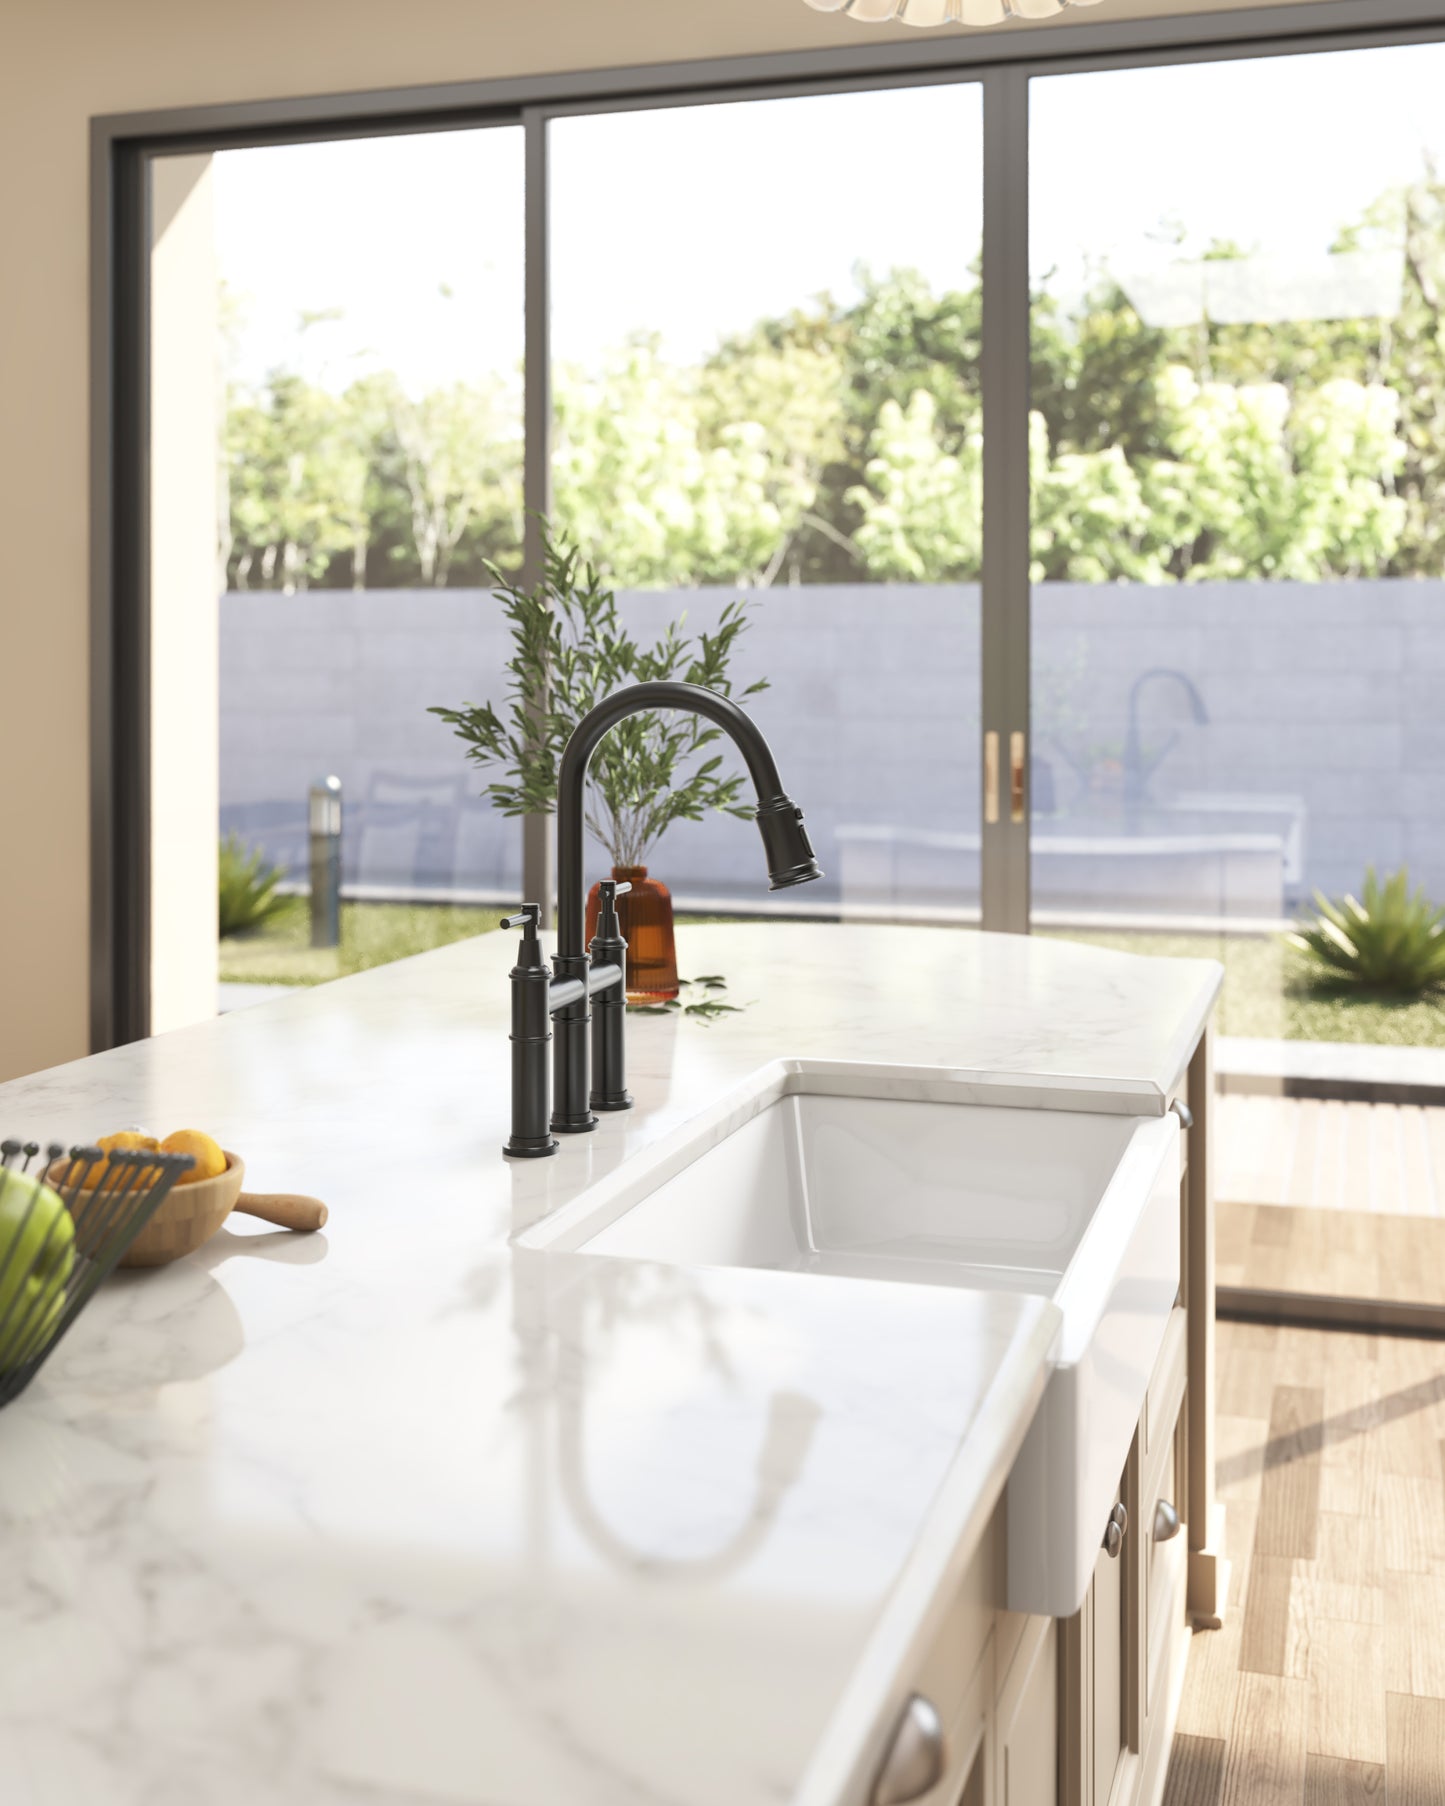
1326	693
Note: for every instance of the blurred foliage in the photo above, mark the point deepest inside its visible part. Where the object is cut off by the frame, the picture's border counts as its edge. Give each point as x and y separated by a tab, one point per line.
842	442
248	898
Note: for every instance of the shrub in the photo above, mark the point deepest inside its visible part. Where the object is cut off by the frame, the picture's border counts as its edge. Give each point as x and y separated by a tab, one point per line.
248	896
1390	939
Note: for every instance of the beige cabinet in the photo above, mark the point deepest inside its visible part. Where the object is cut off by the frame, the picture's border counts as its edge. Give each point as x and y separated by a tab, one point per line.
1039	1712
1121	1661
1026	1769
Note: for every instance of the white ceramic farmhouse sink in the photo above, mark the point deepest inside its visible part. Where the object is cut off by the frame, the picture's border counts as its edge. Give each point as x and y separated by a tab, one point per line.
916	1175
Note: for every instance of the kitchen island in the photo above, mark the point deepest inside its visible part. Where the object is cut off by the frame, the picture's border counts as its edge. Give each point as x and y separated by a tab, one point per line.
407	1513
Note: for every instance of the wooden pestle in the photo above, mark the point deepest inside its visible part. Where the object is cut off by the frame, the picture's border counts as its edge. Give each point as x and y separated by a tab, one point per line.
286	1209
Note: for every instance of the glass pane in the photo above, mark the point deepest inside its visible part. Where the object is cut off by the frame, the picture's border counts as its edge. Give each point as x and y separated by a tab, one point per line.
765	366
373	314
1238	544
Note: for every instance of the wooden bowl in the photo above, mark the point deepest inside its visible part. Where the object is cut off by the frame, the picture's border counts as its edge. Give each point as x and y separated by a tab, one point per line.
190	1215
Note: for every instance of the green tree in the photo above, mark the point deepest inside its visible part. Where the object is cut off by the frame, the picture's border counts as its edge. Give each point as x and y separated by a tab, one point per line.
1414	368
286	461
1296	487
1257	484
841	441
461	465
921	506
662	484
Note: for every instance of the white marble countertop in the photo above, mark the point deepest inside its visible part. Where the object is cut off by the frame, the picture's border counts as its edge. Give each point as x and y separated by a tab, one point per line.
401	1513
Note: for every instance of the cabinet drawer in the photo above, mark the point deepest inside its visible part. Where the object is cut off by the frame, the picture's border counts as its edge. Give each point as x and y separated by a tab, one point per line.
1166	1564
956	1677
1161	1402
1027	1771
967	1749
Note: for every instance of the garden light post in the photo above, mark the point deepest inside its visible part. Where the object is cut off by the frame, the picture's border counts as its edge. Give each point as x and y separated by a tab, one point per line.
324	820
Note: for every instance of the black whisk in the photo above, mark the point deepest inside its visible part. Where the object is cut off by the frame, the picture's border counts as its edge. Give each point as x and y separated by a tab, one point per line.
63	1227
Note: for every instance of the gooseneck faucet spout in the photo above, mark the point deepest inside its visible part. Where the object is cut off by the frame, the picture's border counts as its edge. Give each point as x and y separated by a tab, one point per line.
780	820
566	996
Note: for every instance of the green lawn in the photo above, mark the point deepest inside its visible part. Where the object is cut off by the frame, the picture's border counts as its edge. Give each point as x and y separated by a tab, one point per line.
1264	993
372	934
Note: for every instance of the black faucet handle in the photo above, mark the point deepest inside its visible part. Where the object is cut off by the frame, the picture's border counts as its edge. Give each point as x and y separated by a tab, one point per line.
529	953
607	931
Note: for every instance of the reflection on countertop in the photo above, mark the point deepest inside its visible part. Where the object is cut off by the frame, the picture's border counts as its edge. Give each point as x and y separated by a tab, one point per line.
417	1515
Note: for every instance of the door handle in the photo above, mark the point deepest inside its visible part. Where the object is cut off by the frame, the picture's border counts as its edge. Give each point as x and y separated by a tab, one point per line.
1016	777
1017	798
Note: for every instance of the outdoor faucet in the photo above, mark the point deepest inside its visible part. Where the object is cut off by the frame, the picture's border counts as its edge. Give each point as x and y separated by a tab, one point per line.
588	1063
1136	779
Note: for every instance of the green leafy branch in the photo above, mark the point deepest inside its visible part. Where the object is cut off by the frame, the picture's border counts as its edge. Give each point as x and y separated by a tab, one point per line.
571	649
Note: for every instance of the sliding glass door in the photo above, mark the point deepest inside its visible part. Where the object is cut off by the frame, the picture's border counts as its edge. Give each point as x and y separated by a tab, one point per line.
765	372
371	331
1238	533
904	398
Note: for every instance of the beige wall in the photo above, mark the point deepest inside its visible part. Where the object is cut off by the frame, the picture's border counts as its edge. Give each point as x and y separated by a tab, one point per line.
62	61
185	613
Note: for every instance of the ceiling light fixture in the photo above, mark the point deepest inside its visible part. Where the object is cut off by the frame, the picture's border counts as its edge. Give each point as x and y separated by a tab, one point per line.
945	12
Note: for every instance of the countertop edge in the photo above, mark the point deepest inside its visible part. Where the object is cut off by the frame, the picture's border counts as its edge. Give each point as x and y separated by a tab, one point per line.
1189	1037
856	1734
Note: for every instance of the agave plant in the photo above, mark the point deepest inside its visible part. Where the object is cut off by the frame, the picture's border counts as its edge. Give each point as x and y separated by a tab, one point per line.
248	897
1388	939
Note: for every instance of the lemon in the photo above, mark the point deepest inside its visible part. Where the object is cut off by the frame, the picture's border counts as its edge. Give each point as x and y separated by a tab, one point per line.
128	1138
209	1156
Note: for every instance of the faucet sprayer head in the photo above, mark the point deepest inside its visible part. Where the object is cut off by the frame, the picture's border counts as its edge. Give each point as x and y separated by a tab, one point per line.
785	841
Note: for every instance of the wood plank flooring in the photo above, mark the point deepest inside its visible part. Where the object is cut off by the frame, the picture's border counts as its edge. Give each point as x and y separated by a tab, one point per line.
1334	1253
1326	1684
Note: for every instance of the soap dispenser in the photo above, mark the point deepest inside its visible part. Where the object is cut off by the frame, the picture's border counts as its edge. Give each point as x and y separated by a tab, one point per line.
531	1040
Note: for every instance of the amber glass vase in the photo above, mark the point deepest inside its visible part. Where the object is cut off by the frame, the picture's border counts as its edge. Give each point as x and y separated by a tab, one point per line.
645	915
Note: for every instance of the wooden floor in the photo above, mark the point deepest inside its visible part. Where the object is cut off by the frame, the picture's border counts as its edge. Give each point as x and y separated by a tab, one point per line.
1326	1684
1331	1254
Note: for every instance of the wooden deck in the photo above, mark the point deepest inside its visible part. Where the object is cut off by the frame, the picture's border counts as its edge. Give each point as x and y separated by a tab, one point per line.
1385	1159
1327	1198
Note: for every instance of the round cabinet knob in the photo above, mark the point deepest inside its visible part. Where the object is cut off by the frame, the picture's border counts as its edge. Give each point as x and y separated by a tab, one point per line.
1115	1531
1166	1522
916	1757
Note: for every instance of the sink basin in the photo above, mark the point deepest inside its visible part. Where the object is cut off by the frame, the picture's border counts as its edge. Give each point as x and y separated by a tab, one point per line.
925	1177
